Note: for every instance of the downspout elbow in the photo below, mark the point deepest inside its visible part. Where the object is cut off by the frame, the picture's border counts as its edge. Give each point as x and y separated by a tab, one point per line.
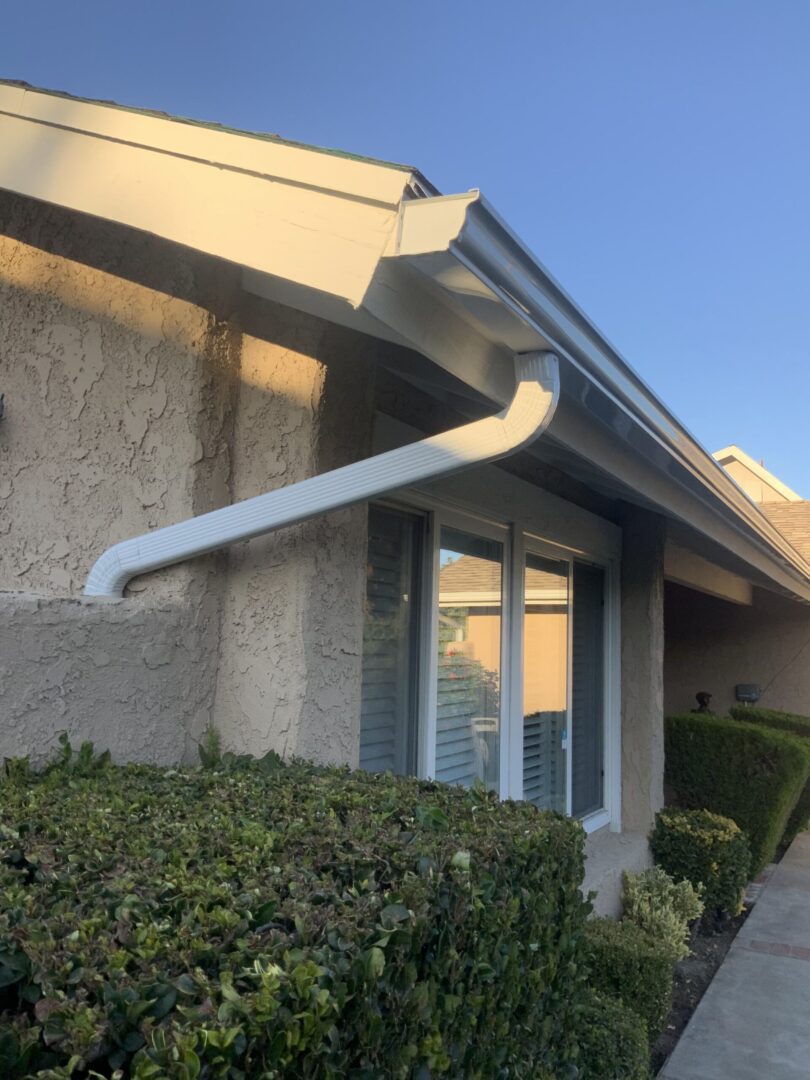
524	419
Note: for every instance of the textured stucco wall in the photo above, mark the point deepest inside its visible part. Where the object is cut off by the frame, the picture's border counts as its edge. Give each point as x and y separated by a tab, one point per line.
289	676
115	371
131	394
642	617
133	679
118	363
713	645
143	387
607	856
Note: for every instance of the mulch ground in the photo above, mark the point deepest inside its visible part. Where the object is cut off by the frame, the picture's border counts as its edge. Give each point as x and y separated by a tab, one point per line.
692	978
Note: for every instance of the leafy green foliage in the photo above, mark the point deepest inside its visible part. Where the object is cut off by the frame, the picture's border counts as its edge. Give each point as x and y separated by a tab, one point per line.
210	749
255	920
626	963
662	908
709	850
613	1042
796	725
773	718
742	771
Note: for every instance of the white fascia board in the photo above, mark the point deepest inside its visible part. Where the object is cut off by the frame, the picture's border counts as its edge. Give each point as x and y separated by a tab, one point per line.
466	249
686	568
304	216
268	156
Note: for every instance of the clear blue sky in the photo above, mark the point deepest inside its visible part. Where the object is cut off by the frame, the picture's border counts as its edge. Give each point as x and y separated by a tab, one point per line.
655	154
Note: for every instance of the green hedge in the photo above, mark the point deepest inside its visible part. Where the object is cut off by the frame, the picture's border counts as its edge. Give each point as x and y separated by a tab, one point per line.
613	1044
707	850
794	724
283	922
773	718
739	770
625	962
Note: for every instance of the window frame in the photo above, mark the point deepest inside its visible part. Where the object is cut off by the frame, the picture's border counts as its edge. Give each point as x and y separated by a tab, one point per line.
517	540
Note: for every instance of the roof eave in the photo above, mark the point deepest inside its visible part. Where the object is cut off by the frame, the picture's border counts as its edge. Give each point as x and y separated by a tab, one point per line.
441	236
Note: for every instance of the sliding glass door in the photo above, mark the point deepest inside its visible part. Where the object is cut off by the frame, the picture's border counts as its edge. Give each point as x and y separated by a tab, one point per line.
487	657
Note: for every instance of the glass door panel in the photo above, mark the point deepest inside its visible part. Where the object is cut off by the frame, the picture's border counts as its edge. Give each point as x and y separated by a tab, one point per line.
468	688
588	691
388	699
545	682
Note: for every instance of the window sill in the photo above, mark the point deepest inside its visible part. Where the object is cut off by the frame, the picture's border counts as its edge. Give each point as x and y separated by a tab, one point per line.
597	820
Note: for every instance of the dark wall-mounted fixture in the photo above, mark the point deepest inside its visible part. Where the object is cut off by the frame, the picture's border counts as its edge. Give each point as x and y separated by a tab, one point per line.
750	693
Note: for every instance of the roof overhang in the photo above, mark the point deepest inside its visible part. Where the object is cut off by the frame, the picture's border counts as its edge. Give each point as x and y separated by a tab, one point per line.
609	417
311	217
358	242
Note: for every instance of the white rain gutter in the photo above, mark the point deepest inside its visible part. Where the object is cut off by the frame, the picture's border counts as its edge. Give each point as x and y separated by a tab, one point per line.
525	417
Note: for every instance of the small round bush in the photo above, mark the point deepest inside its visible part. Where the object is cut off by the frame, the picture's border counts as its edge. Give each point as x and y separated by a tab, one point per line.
705	849
626	963
612	1042
663	908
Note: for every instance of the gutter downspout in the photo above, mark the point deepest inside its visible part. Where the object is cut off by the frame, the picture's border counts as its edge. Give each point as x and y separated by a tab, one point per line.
526	416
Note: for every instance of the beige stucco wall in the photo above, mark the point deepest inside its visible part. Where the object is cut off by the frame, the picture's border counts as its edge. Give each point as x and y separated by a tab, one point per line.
608	856
114	367
712	645
117	365
292	624
132	678
642	618
142	387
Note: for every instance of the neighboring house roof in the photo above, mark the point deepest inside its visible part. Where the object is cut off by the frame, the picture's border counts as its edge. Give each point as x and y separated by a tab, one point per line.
473	582
757	482
792	519
371	245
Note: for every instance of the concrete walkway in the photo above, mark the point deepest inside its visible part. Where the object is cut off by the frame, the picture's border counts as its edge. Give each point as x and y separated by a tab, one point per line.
754	1020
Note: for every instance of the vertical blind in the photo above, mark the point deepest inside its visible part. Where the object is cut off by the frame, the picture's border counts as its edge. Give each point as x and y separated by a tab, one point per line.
587	691
388	697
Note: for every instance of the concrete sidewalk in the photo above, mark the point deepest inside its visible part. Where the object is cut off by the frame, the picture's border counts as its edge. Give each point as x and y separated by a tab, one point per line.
754	1020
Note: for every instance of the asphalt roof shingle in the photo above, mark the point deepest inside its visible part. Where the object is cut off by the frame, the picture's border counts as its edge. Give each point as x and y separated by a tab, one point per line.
792	519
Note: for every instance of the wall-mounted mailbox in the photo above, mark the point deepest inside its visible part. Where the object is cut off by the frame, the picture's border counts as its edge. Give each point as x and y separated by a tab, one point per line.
747	692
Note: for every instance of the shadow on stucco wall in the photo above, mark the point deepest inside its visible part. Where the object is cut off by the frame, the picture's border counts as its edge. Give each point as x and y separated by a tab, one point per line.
712	644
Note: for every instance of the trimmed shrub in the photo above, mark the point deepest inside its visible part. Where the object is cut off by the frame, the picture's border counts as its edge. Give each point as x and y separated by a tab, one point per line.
706	849
773	718
741	771
613	1042
626	963
793	724
267	921
662	908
